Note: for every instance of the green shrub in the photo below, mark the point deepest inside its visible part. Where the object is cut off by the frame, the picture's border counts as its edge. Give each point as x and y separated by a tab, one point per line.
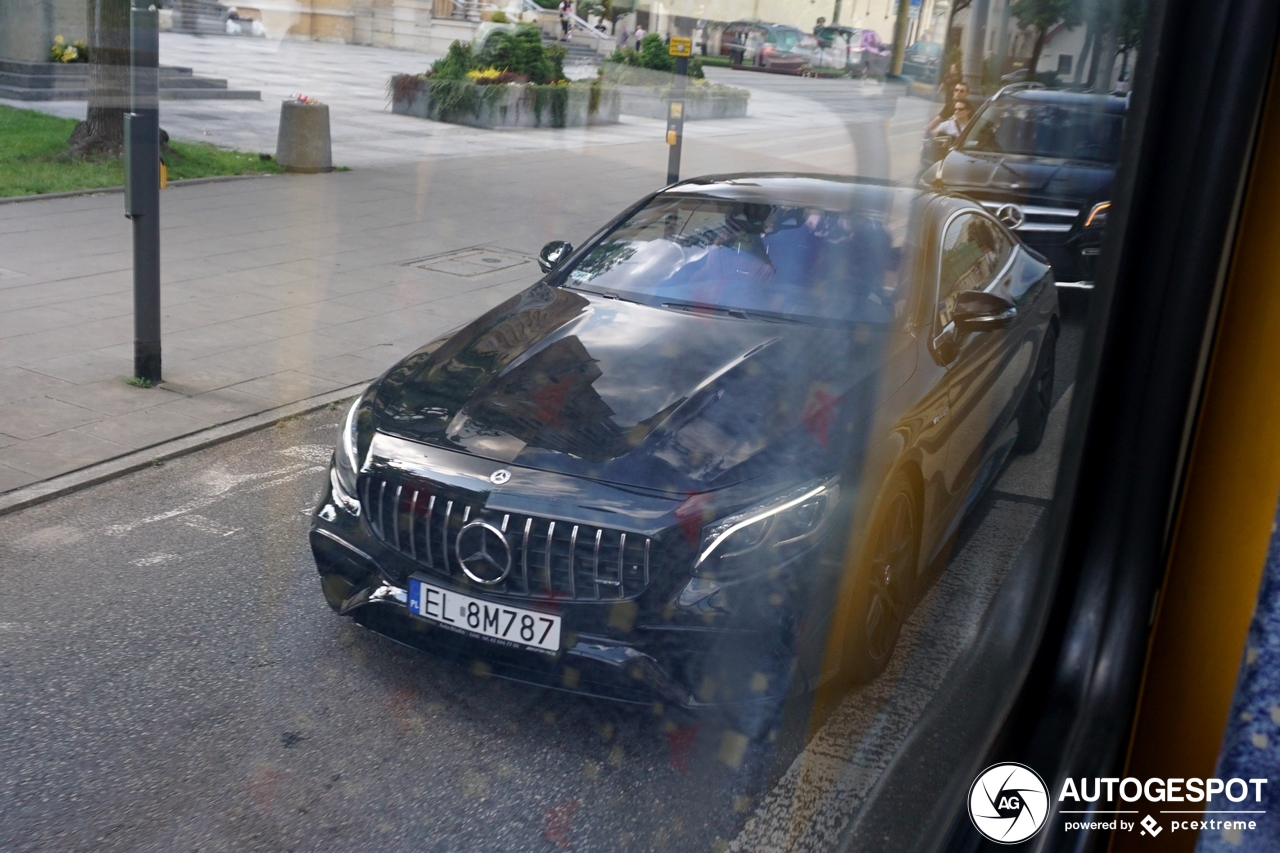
520	52
455	64
556	54
499	17
653	54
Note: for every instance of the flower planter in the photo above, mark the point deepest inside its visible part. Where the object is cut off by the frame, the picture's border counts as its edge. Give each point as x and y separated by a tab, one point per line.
508	105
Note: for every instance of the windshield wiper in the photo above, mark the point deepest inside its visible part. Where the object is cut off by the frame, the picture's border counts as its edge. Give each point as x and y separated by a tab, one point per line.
740	313
701	306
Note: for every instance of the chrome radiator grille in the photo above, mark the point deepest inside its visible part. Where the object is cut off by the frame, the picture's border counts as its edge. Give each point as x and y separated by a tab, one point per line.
1033	217
550	559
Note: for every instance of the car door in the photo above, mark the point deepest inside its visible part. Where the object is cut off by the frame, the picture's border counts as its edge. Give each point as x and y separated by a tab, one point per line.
984	369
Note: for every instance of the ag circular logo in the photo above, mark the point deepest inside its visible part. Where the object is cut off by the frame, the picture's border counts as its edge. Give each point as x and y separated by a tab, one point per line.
1011	215
1008	803
483	553
502	475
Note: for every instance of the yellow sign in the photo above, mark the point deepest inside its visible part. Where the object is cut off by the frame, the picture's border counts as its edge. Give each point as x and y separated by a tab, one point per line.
671	137
680	46
676	108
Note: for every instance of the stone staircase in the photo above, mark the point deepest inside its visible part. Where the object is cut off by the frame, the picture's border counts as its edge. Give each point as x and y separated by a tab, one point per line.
199	17
580	51
56	81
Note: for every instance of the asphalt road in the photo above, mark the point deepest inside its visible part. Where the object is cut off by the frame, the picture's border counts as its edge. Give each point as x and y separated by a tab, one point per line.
171	679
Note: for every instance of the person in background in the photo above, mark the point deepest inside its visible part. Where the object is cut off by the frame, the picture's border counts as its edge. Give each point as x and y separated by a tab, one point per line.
961	112
639	36
624	35
822	22
959	92
566	8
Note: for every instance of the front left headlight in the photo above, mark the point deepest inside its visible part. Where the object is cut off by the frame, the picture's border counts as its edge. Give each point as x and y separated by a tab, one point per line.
768	534
346	458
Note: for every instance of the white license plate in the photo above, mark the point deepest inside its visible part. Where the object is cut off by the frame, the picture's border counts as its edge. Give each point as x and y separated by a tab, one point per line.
484	618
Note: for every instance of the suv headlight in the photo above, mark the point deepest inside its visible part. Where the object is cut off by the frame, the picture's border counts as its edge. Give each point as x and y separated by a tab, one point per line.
768	534
1098	215
346	458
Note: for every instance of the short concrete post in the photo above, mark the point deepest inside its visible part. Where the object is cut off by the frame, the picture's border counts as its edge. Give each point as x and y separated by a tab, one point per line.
303	144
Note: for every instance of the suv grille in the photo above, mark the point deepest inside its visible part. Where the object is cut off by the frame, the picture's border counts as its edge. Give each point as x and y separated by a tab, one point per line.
1035	218
550	559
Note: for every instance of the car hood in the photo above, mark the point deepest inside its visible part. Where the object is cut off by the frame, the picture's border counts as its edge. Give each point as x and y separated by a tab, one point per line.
575	383
1065	179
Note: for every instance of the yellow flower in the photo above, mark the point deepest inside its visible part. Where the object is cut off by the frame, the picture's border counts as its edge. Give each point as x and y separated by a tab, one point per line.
69	55
59	40
484	75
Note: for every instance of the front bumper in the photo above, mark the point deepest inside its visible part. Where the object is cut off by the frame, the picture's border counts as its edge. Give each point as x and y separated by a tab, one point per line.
651	650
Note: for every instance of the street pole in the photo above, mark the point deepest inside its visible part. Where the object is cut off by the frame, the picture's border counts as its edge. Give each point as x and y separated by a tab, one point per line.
899	38
142	185
681	49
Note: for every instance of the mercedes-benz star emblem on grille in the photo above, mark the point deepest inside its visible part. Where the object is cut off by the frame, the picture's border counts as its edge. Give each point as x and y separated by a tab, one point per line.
1011	215
500	476
484	553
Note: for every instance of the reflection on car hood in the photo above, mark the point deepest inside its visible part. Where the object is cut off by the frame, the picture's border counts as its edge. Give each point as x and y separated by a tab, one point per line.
565	381
1066	179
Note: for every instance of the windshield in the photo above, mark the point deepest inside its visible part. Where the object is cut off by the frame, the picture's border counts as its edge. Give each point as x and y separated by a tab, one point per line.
1072	132
801	263
786	39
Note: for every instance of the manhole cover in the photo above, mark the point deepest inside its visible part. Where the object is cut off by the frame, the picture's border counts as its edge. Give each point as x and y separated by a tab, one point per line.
471	262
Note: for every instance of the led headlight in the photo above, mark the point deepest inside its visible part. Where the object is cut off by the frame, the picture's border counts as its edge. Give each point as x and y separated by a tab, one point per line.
768	534
1098	215
346	467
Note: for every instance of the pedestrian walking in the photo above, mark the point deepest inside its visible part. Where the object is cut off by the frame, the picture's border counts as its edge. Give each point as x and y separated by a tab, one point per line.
623	36
639	36
566	9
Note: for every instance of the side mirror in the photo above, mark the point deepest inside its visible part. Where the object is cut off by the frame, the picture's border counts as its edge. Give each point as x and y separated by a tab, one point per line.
979	311
553	253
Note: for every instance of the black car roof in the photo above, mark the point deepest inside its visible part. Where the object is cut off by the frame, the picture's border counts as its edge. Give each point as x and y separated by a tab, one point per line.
828	192
1092	100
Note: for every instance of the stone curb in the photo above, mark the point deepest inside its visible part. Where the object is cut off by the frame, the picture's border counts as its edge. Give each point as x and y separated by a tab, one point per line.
136	460
185	182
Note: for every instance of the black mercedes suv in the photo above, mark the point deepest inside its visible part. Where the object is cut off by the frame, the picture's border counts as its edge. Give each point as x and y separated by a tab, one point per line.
1043	161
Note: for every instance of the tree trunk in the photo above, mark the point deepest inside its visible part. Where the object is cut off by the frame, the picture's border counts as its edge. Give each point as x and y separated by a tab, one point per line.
1034	68
102	131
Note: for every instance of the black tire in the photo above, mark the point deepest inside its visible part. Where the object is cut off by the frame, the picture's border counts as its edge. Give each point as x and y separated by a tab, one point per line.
888	574
1033	413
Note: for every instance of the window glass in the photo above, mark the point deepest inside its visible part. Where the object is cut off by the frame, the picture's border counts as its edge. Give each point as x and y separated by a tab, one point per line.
1077	132
632	508
795	262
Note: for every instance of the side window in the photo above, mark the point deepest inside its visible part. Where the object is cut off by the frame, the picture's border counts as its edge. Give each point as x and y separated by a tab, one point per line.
973	251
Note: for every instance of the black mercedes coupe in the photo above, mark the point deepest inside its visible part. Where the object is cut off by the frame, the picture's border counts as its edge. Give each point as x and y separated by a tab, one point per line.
705	460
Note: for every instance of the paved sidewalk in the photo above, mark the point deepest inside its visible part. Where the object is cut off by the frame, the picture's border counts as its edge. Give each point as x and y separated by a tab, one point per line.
274	290
279	289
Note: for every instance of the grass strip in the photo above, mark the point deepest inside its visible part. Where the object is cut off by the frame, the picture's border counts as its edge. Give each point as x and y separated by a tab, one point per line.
31	141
